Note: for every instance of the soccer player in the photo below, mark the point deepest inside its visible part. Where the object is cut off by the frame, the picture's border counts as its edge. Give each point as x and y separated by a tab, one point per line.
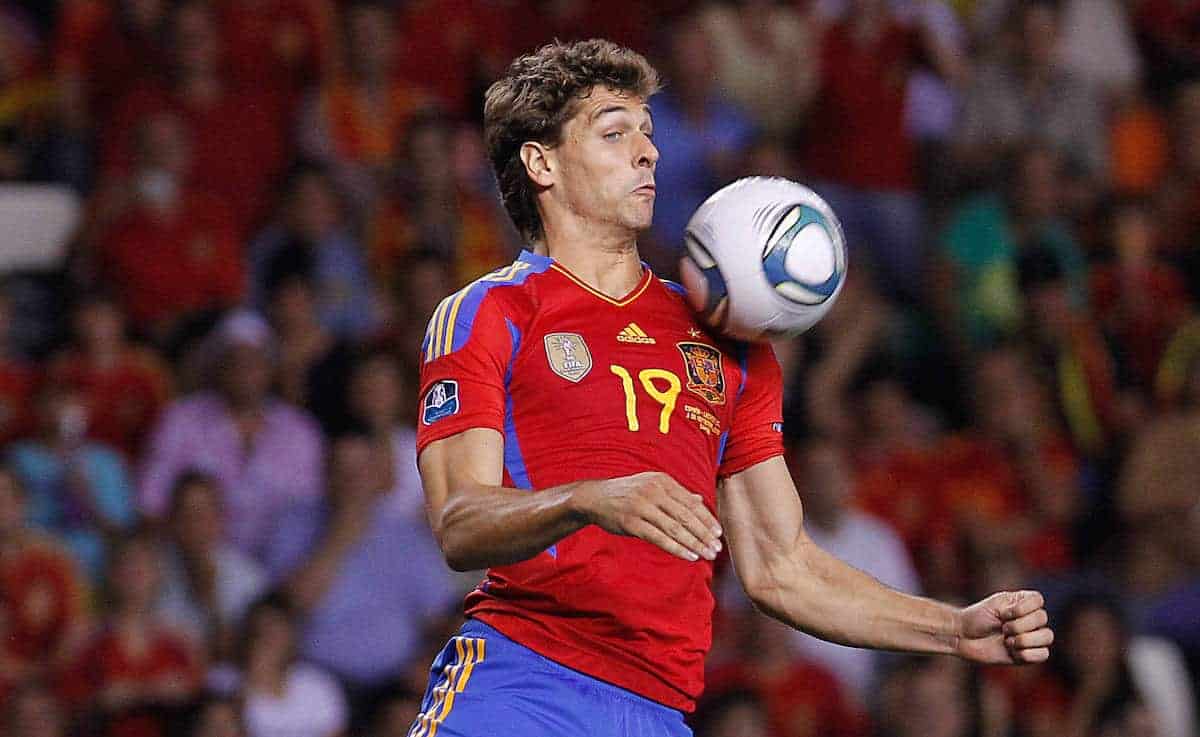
578	428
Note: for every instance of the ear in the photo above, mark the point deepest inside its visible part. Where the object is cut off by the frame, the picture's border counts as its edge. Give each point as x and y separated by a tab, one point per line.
539	163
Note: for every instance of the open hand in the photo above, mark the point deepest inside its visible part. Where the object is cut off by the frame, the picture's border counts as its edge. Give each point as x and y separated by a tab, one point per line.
1008	628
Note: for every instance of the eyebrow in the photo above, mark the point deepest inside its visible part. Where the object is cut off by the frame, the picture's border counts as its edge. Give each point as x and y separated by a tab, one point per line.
619	109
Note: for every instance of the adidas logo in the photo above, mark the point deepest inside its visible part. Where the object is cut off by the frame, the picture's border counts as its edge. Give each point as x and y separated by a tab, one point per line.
631	333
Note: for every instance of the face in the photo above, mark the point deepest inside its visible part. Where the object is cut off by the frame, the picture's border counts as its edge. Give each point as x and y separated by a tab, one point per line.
135	575
37	714
314	207
197	43
740	720
352	467
602	172
1094	640
99	325
219	719
1039	186
272	634
293	305
246	375
1040	31
826	483
377	389
371	41
198	517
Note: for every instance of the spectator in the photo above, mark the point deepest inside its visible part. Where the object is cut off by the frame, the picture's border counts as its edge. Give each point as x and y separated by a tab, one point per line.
43	599
136	674
434	206
16	379
354	120
312	361
377	399
733	713
396	714
265	454
763	53
1028	92
858	148
801	697
365	619
1071	344
217	717
978	293
1139	300
278	46
124	386
863	541
285	696
939	697
35	712
78	489
103	50
207	583
699	135
237	137
175	250
1101	678
312	216
26	98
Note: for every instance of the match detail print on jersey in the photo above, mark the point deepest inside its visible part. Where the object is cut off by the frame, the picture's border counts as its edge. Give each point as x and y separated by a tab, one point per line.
568	355
441	401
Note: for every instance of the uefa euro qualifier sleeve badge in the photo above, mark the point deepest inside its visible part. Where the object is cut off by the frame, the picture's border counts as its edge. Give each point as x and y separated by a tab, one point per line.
568	355
704	374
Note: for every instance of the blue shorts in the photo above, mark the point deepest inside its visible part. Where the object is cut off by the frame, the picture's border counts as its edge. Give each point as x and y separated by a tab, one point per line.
483	684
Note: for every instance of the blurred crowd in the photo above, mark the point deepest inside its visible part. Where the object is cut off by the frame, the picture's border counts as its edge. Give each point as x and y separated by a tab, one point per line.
225	223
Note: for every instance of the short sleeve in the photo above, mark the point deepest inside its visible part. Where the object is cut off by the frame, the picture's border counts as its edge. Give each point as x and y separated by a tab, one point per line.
465	354
757	430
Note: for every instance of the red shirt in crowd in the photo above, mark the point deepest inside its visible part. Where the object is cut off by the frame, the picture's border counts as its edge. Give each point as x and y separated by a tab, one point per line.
858	136
42	601
112	659
17	384
165	266
123	399
238	144
802	700
278	46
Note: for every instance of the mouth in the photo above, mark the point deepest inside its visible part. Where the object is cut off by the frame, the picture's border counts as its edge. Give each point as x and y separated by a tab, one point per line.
646	189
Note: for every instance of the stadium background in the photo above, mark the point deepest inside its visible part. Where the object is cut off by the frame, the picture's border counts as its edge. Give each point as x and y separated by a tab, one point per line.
223	226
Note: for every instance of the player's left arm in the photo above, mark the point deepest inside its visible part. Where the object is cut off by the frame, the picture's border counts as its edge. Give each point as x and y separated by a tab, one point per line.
790	578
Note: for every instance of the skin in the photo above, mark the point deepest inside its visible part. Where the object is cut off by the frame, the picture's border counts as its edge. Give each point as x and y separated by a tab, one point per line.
593	201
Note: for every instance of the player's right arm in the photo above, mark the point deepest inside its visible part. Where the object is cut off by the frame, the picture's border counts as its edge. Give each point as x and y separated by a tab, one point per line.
469	352
479	523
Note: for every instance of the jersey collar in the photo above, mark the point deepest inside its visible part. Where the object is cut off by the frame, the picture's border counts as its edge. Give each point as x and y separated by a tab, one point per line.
544	262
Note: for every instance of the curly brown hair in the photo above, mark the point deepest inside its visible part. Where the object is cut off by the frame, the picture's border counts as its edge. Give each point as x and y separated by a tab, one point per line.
537	95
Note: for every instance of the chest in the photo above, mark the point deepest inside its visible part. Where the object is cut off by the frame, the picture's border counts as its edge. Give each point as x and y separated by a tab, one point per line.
645	371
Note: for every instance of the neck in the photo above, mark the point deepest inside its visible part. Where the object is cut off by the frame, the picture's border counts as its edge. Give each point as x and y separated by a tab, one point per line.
608	264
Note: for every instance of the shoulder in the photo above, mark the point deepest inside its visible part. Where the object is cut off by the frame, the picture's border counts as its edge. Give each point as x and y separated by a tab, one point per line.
504	294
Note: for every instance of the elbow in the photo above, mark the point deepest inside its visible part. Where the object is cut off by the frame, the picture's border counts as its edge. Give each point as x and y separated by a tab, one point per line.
450	539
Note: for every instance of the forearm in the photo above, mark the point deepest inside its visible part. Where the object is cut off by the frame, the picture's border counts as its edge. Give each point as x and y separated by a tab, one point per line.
813	591
482	526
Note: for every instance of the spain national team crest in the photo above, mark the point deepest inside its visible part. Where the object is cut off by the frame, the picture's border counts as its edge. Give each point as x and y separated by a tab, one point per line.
705	376
568	355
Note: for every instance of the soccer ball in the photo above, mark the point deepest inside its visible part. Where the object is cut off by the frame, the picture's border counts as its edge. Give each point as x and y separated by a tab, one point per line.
765	258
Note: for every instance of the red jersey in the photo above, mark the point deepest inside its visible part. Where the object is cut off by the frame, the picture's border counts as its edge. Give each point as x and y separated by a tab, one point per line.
583	386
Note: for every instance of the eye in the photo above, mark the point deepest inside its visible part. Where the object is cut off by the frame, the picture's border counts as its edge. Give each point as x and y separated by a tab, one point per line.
613	136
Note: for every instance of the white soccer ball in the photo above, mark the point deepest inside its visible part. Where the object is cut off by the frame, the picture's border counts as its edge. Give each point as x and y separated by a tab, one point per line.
765	258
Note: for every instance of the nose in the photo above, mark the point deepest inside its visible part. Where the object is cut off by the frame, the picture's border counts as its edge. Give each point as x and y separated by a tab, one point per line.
647	153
